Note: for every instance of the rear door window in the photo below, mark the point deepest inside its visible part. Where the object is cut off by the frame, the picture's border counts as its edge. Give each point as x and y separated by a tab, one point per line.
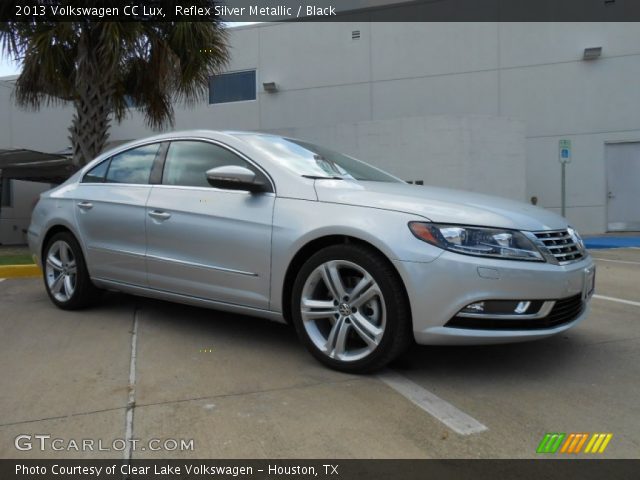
97	173
132	166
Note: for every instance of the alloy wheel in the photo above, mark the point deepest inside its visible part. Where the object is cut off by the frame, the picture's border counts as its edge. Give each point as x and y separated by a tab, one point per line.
343	310
61	271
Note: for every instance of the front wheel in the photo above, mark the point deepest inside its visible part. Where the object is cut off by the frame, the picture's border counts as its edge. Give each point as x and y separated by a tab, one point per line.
65	273
350	310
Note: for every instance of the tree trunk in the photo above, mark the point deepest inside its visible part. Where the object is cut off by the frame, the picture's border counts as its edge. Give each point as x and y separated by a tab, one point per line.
91	121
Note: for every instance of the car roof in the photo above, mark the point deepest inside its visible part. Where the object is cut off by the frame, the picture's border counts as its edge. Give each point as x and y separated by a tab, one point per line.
204	133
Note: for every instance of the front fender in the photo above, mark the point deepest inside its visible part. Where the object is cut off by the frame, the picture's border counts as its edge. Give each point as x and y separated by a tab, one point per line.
296	223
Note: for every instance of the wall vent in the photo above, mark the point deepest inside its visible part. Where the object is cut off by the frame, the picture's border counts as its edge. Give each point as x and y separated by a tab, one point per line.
355	34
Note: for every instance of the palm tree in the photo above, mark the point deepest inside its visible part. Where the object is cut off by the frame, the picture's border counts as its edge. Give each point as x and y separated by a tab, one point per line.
103	68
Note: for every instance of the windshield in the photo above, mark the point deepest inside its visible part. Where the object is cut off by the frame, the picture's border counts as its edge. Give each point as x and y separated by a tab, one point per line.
311	160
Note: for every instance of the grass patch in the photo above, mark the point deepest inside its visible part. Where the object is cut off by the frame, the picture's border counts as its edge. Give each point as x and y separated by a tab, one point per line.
24	259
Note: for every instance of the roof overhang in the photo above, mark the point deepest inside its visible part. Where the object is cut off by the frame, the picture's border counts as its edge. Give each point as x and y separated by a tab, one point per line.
34	166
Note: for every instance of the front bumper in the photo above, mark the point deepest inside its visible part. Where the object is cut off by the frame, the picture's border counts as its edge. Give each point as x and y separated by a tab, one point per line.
440	289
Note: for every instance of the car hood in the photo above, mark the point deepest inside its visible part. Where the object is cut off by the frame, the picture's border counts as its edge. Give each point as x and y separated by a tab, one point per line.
440	205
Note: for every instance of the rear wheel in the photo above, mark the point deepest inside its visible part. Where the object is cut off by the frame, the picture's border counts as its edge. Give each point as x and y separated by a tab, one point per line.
65	273
350	310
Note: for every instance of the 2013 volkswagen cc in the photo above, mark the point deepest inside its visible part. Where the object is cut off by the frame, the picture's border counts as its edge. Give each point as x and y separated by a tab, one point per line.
359	261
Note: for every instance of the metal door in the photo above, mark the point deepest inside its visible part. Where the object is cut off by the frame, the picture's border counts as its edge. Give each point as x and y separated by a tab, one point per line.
111	222
623	186
210	244
206	242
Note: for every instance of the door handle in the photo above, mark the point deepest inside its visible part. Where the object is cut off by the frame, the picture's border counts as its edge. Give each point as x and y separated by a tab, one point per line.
159	215
611	195
85	205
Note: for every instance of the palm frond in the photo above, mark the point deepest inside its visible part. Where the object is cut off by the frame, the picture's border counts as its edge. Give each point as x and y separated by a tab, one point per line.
150	66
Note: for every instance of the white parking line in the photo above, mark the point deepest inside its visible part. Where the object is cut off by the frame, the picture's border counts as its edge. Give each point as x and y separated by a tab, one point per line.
615	261
455	419
132	390
619	300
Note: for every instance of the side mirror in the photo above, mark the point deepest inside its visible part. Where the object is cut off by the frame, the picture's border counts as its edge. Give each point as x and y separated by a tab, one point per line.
234	177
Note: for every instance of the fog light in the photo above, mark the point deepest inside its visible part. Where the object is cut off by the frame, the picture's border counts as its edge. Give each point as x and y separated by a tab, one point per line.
477	307
522	307
501	308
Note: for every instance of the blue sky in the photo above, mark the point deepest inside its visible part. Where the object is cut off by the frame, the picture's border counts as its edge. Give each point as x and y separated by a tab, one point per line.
7	67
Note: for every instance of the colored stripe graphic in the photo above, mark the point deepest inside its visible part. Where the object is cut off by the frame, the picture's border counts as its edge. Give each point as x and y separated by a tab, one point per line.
598	443
581	443
550	443
570	440
572	443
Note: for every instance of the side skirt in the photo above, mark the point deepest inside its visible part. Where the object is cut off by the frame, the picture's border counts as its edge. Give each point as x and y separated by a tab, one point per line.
188	300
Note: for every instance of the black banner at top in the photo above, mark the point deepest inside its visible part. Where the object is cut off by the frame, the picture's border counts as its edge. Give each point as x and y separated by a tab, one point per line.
323	10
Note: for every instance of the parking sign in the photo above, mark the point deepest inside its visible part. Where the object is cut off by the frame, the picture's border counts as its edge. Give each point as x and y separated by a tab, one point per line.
565	151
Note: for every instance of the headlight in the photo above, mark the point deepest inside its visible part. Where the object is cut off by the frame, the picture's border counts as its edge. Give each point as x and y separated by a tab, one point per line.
483	242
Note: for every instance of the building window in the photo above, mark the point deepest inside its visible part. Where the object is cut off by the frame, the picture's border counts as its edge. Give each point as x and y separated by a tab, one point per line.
7	193
232	87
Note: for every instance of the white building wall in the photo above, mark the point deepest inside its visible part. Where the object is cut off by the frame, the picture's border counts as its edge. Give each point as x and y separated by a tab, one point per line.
45	130
477	153
545	82
19	129
14	219
369	97
6	110
532	73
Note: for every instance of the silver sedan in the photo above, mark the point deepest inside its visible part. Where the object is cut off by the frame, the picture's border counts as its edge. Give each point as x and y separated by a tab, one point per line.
360	262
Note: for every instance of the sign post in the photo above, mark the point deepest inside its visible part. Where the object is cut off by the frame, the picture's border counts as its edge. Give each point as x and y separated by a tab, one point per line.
564	156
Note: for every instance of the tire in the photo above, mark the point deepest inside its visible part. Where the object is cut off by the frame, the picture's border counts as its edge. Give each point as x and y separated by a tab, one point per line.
369	326
66	278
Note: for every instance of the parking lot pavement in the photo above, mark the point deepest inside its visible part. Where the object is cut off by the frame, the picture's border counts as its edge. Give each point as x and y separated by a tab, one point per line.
63	372
245	388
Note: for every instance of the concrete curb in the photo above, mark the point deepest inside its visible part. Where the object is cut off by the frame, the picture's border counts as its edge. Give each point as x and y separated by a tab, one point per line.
609	241
19	271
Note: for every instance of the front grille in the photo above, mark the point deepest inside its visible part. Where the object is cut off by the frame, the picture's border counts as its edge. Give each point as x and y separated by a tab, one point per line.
564	311
561	245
